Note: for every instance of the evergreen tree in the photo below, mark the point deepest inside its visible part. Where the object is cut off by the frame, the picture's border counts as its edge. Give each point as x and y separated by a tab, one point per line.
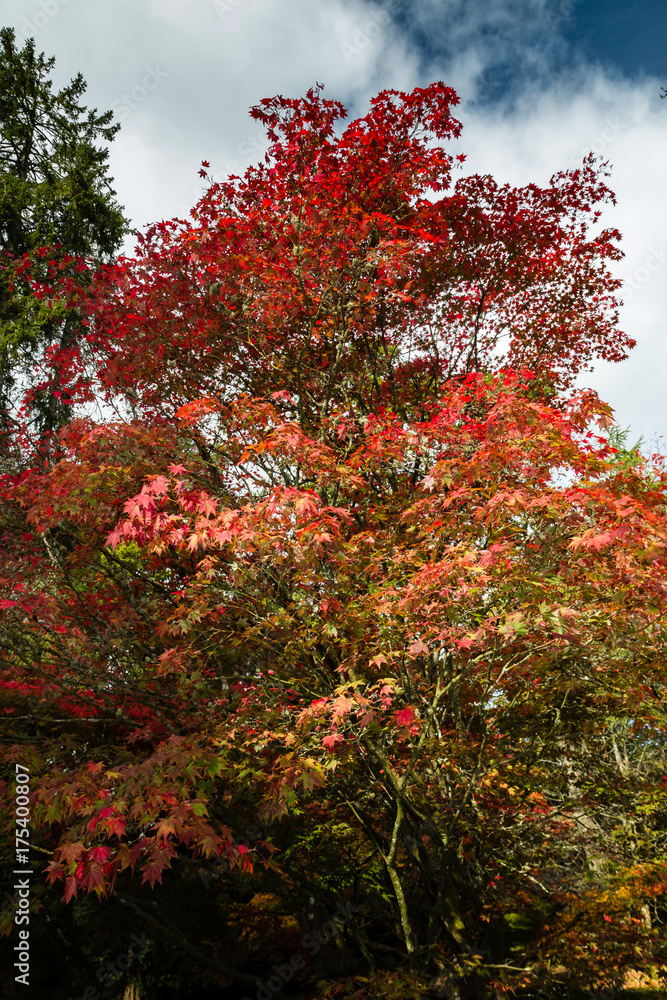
55	192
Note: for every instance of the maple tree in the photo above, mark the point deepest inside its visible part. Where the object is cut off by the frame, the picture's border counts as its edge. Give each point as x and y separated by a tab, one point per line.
354	565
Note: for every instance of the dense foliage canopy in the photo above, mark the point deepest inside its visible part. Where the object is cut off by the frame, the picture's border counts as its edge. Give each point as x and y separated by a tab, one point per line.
332	593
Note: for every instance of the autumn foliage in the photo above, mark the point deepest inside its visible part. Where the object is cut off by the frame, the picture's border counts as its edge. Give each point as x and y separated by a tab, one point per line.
331	545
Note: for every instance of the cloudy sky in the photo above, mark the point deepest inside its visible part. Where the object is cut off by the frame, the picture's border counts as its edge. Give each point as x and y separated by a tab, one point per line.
541	82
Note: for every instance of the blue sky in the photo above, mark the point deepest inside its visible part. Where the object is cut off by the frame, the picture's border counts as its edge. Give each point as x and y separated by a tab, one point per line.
553	37
630	37
542	82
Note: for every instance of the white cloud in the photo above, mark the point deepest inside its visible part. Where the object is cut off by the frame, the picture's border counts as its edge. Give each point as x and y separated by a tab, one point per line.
215	59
